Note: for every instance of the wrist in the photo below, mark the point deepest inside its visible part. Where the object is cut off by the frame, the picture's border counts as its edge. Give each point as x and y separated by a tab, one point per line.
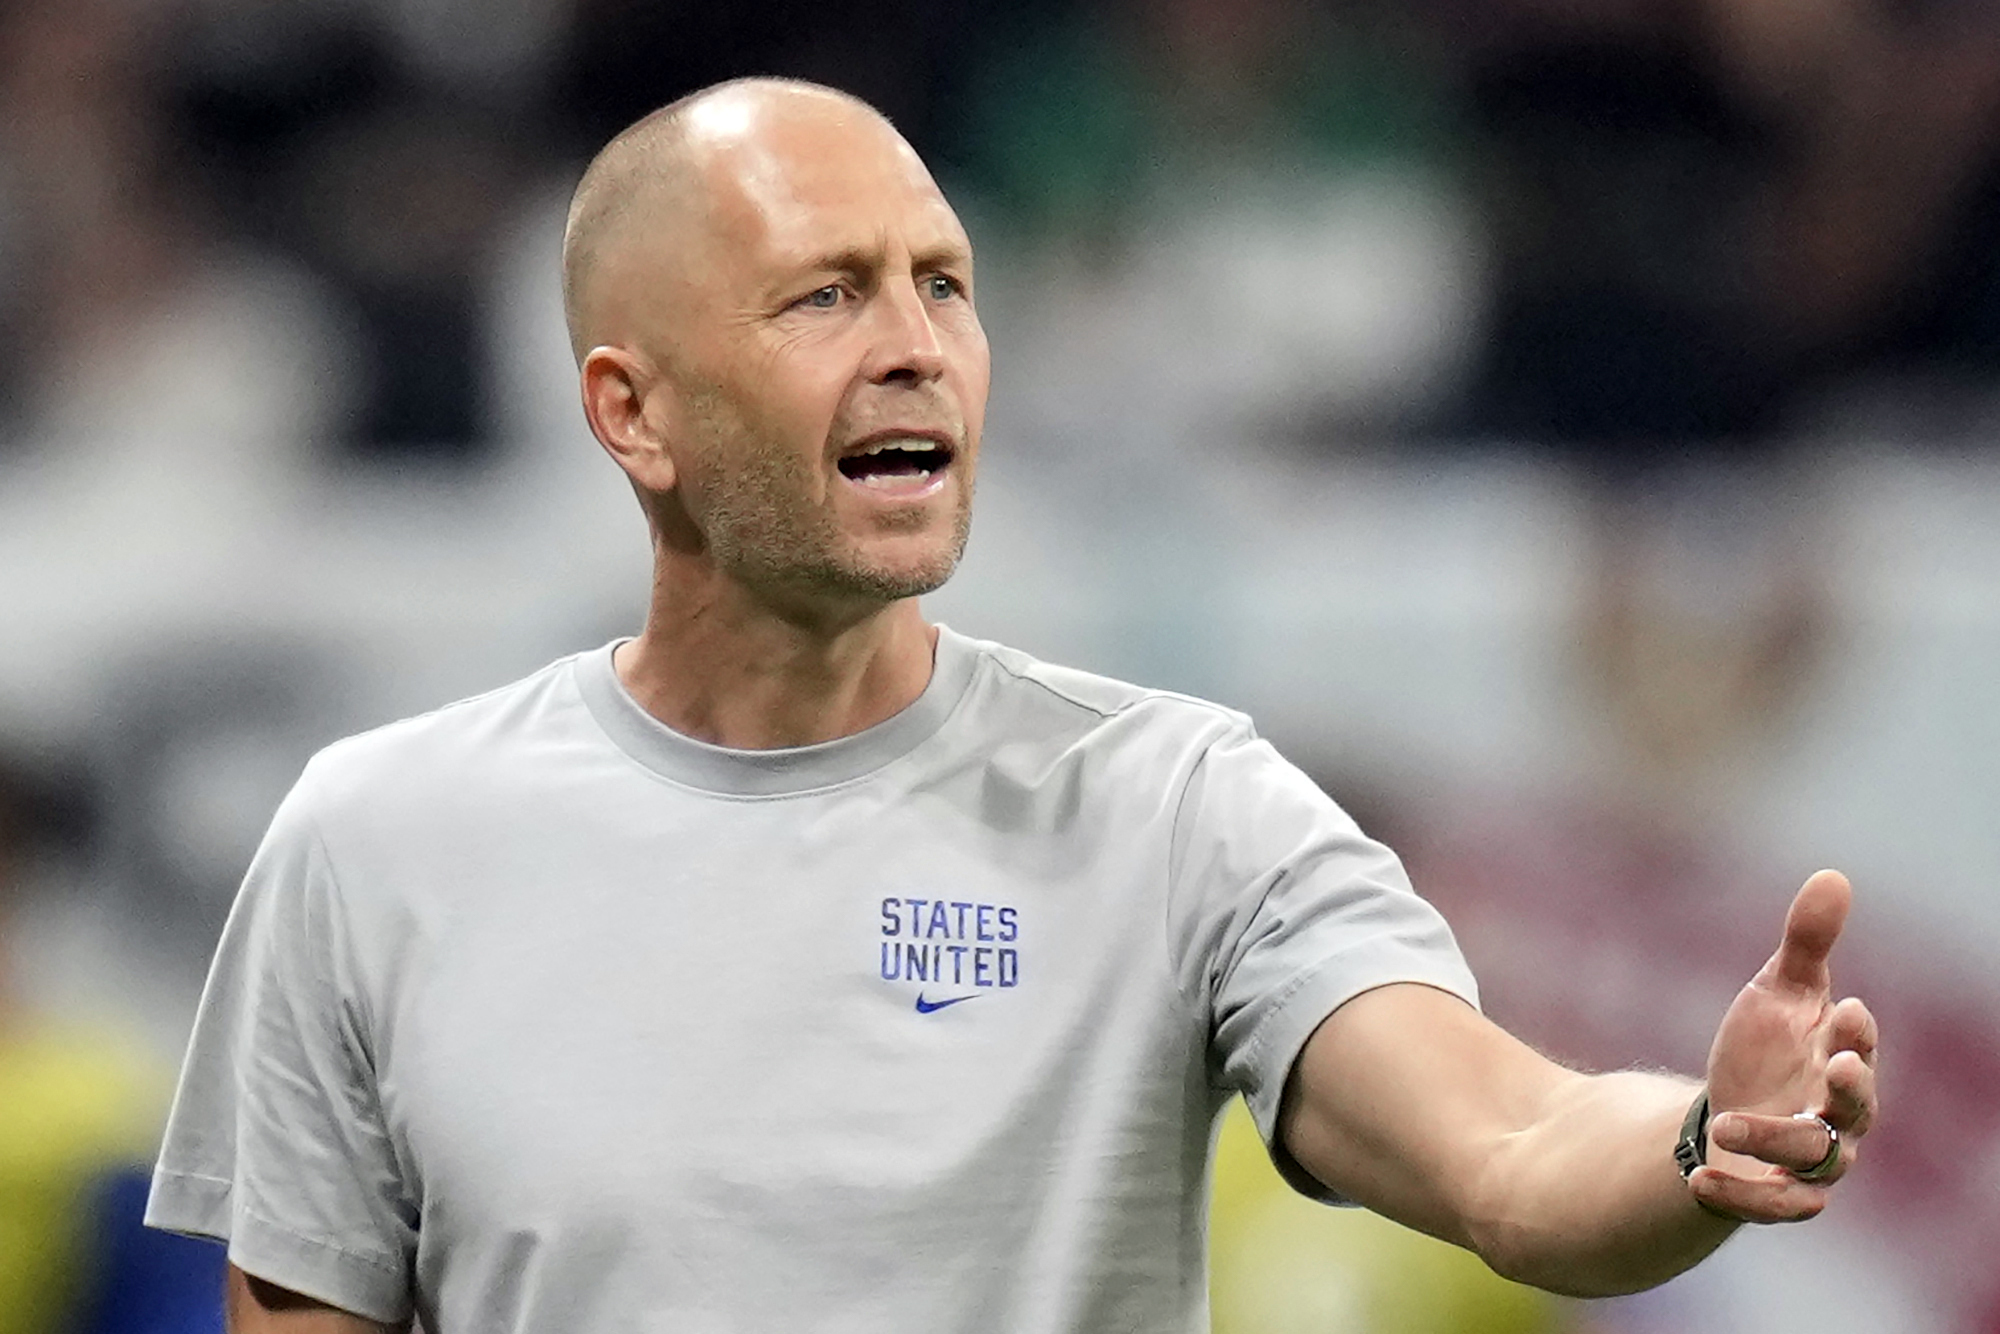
1693	1150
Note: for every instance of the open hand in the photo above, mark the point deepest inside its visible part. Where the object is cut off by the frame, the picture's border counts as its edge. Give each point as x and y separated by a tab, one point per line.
1785	1048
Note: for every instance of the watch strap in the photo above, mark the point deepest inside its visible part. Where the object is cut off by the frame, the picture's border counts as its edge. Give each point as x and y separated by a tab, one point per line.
1691	1151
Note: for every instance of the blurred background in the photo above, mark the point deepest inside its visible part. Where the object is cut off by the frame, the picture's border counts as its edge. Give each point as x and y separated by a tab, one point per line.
1567	427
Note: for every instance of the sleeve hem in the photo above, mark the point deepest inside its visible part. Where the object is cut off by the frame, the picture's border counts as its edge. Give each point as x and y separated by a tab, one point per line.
200	1206
1307	1003
189	1203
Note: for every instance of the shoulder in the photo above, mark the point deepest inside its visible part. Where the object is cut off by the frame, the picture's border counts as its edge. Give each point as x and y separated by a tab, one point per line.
464	744
1021	694
1205	759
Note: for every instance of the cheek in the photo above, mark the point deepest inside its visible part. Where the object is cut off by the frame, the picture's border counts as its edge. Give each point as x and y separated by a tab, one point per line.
975	379
799	390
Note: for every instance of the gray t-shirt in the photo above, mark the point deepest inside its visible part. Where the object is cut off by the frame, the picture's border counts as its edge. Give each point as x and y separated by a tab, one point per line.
535	1016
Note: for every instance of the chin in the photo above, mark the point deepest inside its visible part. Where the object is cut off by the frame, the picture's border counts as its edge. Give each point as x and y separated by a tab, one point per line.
894	583
907	564
906	569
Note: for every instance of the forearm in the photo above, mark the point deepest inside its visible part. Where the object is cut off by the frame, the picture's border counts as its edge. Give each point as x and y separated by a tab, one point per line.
1559	1179
1412	1103
257	1307
1586	1199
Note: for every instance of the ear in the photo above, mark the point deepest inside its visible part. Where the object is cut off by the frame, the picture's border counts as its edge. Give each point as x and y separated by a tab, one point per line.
617	386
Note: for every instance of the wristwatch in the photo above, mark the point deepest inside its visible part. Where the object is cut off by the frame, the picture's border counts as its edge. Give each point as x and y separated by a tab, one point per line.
1691	1151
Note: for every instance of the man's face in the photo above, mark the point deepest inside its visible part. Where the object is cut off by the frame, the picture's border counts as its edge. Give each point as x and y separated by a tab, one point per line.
826	371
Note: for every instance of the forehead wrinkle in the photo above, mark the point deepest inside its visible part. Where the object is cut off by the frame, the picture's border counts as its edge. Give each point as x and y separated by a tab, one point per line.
799	237
871	258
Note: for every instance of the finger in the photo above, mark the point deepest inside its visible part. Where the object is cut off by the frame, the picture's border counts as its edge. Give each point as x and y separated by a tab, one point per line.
1811	927
1853	1029
1850	1094
1757	1200
1782	1141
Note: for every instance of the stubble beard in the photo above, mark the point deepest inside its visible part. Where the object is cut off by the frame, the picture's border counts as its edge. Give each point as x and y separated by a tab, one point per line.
764	529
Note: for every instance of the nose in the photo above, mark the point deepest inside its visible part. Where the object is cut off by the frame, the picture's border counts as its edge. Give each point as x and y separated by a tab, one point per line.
906	345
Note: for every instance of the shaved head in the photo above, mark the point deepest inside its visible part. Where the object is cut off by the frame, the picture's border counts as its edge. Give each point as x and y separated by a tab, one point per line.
649	181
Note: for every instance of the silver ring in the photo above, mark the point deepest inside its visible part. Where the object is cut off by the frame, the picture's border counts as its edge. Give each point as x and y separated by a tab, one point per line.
1822	1169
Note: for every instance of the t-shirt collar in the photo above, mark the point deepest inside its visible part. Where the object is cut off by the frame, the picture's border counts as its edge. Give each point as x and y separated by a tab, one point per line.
720	769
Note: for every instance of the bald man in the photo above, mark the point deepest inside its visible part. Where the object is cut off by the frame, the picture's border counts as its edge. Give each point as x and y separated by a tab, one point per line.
799	964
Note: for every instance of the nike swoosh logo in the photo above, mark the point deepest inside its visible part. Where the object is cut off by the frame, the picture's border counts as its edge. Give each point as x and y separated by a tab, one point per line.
931	1007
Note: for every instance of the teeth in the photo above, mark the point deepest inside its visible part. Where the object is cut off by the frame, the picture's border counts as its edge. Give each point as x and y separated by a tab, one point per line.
899	442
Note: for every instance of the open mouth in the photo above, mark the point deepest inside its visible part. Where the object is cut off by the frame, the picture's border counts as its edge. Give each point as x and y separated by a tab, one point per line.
902	463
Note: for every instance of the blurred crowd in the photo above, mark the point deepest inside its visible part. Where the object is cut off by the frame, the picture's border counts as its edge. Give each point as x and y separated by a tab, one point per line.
1563	423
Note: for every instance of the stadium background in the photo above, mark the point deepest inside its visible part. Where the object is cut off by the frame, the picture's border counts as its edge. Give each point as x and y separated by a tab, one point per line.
1565	426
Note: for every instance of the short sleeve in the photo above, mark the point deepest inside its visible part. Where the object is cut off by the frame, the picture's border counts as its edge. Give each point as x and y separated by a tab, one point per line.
1282	911
277	1142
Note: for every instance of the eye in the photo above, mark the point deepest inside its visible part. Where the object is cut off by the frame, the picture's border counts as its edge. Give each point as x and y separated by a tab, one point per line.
942	287
826	298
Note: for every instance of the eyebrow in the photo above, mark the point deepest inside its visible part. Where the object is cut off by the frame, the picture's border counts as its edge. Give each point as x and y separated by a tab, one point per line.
858	260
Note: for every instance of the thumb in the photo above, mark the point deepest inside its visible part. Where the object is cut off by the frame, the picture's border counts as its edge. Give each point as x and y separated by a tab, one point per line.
1813	924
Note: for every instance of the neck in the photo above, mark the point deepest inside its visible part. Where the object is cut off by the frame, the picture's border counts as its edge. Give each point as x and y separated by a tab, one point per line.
722	666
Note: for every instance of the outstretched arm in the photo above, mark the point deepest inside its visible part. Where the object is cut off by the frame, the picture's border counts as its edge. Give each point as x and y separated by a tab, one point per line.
1411	1102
